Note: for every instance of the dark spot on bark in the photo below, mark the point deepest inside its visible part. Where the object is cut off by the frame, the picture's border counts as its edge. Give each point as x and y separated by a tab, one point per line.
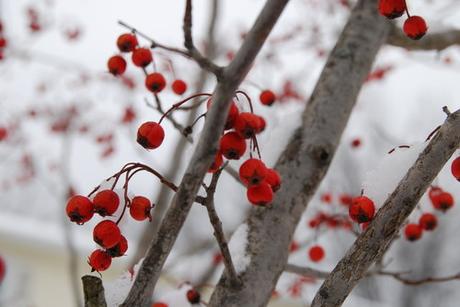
323	293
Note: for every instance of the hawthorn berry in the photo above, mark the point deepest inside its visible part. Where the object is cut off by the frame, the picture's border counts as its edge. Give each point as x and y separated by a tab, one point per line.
362	209
260	194
443	201
428	221
273	178
454	168
355	143
232	114
179	87
126	42
155	82
140	208
2	269
294	246
217	163
3	42
267	97
316	253
415	27
346	199
326	198
119	249
413	232
116	65
150	135
99	260
106	202
142	57
232	145
252	172
80	209
107	234
392	8
247	124
3	133
193	296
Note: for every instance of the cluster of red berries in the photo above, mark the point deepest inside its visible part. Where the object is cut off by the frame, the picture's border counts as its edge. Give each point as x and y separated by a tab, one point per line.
80	209
414	27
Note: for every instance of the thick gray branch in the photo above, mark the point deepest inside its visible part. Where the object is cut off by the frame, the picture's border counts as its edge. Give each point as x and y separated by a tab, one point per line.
94	291
434	41
306	159
391	216
203	156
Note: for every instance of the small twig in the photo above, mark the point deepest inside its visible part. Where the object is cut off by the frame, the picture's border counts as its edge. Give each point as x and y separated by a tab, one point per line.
417	282
446	110
93	291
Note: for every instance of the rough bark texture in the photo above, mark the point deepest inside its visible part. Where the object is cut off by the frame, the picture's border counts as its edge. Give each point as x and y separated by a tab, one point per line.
94	291
389	219
203	156
307	157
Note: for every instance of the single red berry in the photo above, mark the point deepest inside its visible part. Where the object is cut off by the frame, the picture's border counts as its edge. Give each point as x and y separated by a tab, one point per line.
260	195
2	270
150	135
159	304
127	42
428	221
142	57
232	145
106	202
433	192
392	8
326	198
129	115
107	234
355	143
99	260
362	209
3	42
455	167
346	199
217	163
252	172
294	246
443	201
267	97
193	296
116	65
247	124
179	87
119	249
80	209
316	253
3	133
140	208
413	232
415	27
232	114
155	82
273	178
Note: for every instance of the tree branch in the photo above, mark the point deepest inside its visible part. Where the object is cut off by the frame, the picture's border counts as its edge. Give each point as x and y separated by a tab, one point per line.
305	271
203	156
306	159
389	219
432	41
417	282
94	291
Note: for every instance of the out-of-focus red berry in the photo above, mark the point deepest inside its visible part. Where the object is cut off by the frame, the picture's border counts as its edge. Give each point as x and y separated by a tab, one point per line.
316	253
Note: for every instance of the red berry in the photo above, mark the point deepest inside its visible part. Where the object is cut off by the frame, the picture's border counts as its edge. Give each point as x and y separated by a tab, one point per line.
140	208
159	304
107	234
326	198
193	296
392	8
455	167
116	65
3	42
267	97
262	124
443	201
428	221
232	145
415	27
252	172
316	253
106	202
155	82
247	124
294	246
355	143
3	133
346	200
127	42
362	209
2	270
179	86
80	209
260	195
99	260
433	192
273	179
232	114
119	249
150	135
413	232
142	57
218	161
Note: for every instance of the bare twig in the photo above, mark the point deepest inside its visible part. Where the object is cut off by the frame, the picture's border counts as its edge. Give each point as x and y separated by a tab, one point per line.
94	291
417	282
